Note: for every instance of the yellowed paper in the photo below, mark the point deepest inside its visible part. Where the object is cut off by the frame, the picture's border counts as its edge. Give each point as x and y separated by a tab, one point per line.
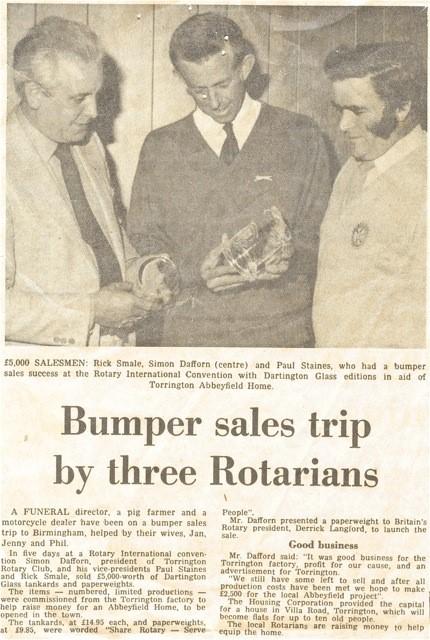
214	491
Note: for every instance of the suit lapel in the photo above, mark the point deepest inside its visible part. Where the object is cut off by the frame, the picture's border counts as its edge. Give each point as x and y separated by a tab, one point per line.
37	181
40	188
97	188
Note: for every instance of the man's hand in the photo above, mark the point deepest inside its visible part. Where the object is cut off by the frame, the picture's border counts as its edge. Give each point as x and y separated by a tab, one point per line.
219	275
116	306
277	266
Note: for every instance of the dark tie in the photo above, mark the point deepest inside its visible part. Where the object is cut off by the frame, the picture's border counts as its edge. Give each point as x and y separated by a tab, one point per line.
230	148
91	232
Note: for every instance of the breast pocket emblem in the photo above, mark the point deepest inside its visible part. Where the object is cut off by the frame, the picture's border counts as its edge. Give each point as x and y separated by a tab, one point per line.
359	234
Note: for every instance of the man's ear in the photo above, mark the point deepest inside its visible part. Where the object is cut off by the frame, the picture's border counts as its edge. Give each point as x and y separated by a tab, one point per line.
33	94
403	111
246	66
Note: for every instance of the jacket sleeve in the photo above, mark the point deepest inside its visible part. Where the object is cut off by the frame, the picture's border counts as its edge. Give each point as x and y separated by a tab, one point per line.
145	220
34	316
318	176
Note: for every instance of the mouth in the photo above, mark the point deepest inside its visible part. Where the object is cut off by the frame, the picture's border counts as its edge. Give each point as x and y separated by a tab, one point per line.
83	125
81	130
221	112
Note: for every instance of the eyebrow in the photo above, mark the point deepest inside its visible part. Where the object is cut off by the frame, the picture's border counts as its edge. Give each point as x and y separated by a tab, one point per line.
200	87
78	96
348	107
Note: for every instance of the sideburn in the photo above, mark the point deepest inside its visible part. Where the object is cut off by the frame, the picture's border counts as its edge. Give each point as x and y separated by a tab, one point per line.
386	125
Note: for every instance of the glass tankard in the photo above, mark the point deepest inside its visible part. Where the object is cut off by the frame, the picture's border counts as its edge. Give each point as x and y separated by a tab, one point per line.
266	240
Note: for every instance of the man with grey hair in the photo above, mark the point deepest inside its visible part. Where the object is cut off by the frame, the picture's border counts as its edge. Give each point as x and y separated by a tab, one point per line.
370	289
222	171
70	269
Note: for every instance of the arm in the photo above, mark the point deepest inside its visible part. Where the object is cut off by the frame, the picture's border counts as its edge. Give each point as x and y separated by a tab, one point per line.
154	279
37	317
109	303
319	172
145	224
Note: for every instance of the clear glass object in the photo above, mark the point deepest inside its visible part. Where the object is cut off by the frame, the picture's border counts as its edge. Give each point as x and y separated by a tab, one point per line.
267	239
158	279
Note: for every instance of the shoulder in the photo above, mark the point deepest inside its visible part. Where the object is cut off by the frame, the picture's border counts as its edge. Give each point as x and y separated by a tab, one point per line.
19	151
297	132
409	178
417	160
170	132
12	122
288	120
164	145
294	134
15	135
345	174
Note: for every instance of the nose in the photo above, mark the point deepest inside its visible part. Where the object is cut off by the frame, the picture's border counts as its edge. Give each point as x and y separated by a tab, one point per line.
213	98
347	120
91	107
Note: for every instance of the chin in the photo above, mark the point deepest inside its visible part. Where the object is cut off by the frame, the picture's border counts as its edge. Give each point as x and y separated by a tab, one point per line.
222	118
80	138
359	154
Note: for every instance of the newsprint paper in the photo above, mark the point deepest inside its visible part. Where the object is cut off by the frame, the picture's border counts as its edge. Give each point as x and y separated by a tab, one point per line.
217	482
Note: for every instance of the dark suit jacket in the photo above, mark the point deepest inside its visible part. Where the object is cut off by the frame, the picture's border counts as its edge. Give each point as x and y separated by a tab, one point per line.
184	198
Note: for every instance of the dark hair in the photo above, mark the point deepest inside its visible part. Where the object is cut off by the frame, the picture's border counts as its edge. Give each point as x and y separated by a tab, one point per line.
396	71
36	55
205	34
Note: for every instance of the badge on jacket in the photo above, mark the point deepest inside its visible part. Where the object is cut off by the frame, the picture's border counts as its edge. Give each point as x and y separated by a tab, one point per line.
359	234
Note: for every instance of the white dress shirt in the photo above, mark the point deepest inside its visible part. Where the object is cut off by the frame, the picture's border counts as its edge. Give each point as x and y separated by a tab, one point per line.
397	152
46	149
213	132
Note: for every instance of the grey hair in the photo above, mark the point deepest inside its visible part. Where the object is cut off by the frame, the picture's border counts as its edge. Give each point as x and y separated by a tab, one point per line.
36	56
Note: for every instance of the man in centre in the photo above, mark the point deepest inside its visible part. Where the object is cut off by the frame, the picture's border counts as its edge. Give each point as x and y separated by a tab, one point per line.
208	176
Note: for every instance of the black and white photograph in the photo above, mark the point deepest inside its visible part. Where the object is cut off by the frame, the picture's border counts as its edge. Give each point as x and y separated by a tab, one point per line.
237	194
245	176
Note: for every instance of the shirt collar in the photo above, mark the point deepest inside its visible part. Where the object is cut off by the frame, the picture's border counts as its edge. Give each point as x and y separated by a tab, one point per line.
43	145
400	149
213	132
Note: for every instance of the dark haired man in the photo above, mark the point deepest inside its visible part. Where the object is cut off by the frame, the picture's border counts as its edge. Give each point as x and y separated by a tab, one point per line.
370	289
214	172
69	268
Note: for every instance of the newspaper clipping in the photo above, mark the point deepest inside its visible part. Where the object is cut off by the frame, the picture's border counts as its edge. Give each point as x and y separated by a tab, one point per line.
214	365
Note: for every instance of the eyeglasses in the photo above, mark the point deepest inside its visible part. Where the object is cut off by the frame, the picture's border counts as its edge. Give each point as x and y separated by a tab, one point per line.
198	93
203	94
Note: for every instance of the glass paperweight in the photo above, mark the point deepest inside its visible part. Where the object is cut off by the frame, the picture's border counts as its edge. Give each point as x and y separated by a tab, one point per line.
158	279
267	239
